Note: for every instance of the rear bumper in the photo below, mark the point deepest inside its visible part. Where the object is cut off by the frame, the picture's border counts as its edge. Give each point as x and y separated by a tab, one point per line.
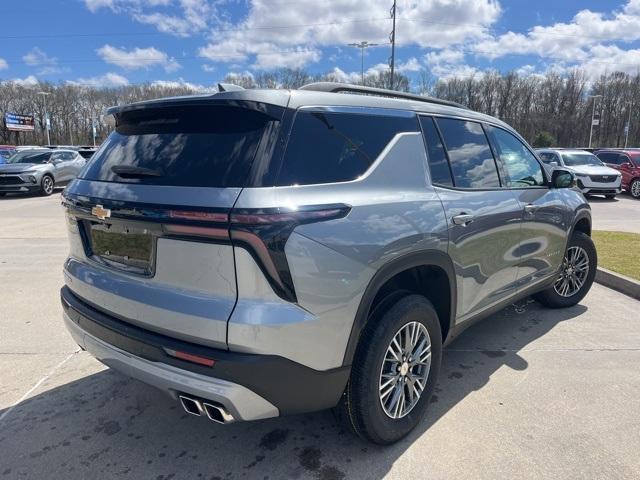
250	386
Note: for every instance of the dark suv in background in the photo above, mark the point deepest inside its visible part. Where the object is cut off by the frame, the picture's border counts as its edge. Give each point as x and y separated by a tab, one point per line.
257	253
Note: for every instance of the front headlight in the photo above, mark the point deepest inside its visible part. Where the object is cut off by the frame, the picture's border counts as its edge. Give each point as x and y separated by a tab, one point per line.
581	175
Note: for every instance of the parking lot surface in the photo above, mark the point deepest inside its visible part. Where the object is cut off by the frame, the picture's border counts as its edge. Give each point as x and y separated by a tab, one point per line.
528	393
621	214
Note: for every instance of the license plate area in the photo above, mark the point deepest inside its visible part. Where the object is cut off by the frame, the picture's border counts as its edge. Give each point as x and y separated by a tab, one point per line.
122	245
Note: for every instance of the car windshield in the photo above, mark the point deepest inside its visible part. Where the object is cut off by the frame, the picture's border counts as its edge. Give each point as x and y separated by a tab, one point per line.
30	157
6	153
577	159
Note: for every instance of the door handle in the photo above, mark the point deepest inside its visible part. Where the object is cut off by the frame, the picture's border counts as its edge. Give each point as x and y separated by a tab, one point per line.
530	209
463	219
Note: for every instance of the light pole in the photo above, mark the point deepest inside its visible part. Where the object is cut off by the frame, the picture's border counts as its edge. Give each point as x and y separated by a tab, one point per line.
593	113
627	127
46	115
362	46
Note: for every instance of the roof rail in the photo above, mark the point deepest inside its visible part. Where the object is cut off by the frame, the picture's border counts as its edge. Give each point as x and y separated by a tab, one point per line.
335	87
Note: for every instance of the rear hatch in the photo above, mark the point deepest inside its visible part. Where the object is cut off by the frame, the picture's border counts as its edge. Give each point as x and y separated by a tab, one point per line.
148	218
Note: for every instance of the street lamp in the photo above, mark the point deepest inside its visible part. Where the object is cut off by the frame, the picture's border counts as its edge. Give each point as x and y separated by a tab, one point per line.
362	46
593	113
46	115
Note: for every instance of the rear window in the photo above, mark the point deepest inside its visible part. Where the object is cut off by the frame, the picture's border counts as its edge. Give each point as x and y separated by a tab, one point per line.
190	146
327	147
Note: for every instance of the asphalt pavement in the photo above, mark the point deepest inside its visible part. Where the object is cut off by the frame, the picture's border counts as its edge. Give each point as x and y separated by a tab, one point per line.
620	214
528	393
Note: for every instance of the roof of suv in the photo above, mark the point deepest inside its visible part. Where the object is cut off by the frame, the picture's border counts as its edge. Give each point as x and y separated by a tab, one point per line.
564	150
628	151
318	95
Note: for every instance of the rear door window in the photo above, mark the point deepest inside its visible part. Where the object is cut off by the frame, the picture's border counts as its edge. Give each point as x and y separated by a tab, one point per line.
190	146
472	162
329	147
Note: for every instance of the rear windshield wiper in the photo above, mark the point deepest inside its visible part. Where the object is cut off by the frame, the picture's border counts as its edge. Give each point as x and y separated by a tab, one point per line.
127	171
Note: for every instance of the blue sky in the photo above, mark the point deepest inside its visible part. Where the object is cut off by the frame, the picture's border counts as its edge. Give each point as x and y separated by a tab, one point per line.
119	42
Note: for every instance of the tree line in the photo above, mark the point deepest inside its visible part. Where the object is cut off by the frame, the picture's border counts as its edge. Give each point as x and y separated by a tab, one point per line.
549	109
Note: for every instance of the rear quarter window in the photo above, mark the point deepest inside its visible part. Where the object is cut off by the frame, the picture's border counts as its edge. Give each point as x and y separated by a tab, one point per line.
328	147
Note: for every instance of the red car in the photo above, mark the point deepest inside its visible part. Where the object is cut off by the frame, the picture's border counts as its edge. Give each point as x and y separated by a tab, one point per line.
627	162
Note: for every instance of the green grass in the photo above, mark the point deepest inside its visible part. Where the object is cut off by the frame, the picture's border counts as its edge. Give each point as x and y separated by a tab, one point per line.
619	251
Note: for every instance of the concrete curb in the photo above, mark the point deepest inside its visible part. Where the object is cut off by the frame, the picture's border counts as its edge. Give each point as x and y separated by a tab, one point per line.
618	282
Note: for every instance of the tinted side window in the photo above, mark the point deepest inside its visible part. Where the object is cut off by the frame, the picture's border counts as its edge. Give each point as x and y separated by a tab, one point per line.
471	159
608	157
438	163
522	168
337	147
547	157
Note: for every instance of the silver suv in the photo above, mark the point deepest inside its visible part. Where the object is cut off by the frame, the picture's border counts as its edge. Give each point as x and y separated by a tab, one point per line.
257	253
39	170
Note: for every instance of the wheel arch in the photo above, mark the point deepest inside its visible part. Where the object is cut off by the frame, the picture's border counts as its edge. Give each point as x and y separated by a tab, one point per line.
382	290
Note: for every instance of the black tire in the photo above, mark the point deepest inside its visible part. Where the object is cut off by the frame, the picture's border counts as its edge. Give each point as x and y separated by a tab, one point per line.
361	407
634	186
551	298
47	185
610	197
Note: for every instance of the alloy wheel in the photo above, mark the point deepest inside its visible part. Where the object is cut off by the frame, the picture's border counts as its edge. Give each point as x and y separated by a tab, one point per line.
404	371
635	189
47	185
575	268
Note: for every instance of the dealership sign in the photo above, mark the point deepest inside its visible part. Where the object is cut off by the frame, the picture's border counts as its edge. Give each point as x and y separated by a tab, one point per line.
18	122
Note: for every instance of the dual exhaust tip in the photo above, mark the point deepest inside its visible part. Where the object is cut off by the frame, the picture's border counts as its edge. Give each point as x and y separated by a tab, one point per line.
215	412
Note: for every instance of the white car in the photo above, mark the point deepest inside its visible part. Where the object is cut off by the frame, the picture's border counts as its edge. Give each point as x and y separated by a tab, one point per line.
593	176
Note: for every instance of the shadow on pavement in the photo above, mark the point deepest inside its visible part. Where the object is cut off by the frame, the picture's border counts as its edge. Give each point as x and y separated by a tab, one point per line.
107	426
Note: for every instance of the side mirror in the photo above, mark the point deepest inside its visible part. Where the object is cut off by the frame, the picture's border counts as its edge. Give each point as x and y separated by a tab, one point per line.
562	179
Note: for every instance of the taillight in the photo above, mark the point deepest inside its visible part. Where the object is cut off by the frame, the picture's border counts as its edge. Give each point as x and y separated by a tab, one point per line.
264	233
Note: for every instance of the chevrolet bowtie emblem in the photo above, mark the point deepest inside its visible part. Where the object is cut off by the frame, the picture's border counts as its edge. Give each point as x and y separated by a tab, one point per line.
100	212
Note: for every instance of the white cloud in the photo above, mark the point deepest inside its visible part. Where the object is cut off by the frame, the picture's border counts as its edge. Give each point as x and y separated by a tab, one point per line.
411	65
192	16
138	58
3	64
308	26
38	58
568	41
108	80
181	83
208	68
28	82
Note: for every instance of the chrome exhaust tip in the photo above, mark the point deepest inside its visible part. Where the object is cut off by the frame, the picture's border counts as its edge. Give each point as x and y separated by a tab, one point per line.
191	405
217	413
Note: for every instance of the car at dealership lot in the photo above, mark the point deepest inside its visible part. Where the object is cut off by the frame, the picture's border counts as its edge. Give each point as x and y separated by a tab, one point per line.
257	253
39	170
593	176
627	162
5	152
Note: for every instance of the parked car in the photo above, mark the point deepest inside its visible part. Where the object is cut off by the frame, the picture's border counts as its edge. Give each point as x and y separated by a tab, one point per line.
627	163
593	176
39	170
5	152
257	253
